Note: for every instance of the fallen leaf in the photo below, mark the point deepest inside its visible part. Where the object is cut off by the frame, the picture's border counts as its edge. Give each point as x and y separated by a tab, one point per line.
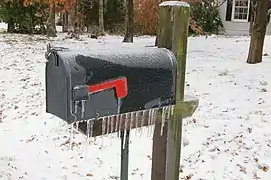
188	177
114	177
242	168
89	174
265	168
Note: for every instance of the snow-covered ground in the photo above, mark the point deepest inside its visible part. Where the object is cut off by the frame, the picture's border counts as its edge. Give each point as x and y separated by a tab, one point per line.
229	135
3	27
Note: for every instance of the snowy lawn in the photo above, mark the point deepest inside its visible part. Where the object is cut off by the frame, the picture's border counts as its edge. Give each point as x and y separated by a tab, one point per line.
229	135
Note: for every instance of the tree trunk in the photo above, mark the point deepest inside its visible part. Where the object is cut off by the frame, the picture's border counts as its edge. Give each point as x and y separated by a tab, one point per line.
258	32
129	22
252	15
11	27
51	25
101	18
156	41
65	23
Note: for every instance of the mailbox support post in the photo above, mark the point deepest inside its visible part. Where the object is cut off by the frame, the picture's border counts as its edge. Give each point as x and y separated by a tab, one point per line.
159	148
173	34
180	17
124	154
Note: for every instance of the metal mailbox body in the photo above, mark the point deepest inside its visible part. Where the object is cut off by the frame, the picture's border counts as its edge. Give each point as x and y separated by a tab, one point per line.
149	74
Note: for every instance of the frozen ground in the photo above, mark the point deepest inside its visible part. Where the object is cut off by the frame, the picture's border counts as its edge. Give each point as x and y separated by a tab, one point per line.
229	135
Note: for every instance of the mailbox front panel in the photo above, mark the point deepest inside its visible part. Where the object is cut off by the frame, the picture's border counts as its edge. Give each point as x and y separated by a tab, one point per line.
103	83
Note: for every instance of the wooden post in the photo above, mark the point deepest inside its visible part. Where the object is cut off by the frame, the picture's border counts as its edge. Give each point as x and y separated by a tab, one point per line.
160	141
180	17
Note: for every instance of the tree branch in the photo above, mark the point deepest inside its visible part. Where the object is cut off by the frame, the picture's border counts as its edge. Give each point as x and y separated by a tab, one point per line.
220	4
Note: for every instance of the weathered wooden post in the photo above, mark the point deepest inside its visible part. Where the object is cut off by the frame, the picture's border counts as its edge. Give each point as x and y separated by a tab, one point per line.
173	34
164	40
179	48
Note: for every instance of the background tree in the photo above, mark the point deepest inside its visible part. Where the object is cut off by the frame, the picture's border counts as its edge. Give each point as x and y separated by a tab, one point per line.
259	26
54	6
114	16
51	26
205	16
101	18
65	21
129	22
252	14
21	19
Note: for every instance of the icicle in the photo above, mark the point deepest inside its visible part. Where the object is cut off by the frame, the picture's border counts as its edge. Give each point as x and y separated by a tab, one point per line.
121	117
169	112
129	117
103	125
172	110
91	128
111	124
77	126
155	115
103	128
71	135
132	120
87	137
117	123
76	107
142	122
152	116
122	123
126	119
88	129
149	122
163	119
83	108
124	139
137	119
152	121
108	124
143	118
111	128
149	118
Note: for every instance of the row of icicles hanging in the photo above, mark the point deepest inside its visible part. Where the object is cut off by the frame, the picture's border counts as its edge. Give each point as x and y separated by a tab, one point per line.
126	121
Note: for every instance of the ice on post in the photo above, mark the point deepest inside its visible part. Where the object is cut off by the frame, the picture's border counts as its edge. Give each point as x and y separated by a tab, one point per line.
109	90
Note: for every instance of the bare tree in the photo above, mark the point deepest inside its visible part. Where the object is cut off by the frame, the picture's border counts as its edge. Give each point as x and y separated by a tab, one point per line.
259	25
51	26
65	22
101	18
252	14
218	3
129	22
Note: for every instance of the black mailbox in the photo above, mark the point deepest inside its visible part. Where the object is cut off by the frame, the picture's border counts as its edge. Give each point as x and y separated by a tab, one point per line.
81	85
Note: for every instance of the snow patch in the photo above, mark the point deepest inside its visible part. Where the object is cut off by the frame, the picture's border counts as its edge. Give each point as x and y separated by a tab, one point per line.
227	138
